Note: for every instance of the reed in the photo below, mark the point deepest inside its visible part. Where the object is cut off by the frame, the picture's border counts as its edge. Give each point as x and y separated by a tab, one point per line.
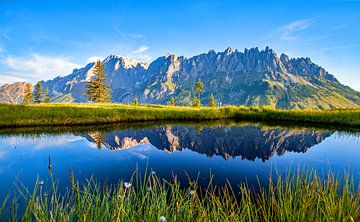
303	196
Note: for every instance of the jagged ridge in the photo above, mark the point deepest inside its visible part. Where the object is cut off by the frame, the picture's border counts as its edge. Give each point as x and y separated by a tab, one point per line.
253	77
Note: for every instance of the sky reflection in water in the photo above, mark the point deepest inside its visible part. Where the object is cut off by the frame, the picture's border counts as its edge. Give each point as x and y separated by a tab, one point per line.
239	153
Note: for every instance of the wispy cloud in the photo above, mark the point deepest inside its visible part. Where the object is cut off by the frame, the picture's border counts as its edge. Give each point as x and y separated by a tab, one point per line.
139	53
127	36
5	35
10	78
94	59
37	67
289	31
337	47
141	49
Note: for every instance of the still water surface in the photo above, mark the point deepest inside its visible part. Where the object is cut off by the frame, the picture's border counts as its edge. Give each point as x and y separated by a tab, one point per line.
236	152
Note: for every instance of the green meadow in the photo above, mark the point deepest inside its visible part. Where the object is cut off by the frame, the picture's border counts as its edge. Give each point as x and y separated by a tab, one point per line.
93	114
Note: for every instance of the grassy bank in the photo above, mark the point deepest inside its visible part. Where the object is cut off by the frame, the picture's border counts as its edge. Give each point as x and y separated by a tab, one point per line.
91	114
303	197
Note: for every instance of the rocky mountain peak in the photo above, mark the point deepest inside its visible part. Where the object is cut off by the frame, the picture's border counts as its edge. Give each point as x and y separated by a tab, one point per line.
284	58
124	62
228	51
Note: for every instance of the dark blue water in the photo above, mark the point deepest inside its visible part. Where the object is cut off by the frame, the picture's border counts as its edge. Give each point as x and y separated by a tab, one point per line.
237	153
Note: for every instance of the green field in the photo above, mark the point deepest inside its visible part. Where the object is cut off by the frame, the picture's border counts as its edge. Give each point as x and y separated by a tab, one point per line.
92	114
302	197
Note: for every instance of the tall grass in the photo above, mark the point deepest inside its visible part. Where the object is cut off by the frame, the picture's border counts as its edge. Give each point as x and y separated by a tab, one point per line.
92	114
300	197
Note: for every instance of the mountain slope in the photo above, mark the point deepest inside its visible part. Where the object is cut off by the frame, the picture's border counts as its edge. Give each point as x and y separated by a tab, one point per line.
253	77
13	93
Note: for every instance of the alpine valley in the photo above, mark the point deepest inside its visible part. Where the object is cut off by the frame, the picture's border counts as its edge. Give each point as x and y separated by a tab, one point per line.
253	77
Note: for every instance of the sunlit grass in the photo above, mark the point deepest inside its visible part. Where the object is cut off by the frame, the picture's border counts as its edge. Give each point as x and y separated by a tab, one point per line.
87	114
301	197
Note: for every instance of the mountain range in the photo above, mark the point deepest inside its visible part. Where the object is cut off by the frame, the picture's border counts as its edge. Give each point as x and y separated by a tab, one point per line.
253	77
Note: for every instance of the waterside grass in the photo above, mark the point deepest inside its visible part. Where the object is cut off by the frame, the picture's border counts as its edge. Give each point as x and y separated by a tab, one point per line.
301	197
93	114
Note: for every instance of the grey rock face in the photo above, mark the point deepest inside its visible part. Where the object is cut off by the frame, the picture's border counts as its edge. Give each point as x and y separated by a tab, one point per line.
13	93
252	77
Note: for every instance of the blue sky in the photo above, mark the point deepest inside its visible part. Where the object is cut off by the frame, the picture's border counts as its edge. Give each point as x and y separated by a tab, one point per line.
43	39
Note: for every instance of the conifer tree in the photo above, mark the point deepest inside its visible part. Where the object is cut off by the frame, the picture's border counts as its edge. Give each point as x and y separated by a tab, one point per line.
38	95
47	97
212	102
172	101
198	89
99	138
28	96
97	90
196	102
136	101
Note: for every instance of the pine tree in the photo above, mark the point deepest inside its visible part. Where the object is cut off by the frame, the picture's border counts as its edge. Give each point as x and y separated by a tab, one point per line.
136	101
28	97
172	101
198	89
196	102
38	95
99	138
47	97
212	101
97	90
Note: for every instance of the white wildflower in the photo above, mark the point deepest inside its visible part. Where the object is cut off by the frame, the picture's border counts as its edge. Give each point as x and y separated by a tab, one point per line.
127	185
41	182
162	219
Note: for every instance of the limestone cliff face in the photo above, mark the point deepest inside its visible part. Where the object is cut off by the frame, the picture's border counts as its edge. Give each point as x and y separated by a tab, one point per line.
13	93
253	77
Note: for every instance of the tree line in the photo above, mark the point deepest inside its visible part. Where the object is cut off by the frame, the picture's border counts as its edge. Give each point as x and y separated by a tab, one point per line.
38	96
98	91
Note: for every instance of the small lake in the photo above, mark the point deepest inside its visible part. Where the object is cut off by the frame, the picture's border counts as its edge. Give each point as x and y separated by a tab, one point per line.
234	152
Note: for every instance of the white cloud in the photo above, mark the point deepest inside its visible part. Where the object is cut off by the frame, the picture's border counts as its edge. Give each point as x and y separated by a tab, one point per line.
37	67
141	49
93	59
139	53
287	32
6	78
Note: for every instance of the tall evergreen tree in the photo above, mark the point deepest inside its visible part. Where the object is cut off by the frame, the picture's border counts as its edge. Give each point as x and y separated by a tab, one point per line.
136	101
28	97
97	90
172	101
212	102
99	138
38	95
46	96
198	89
196	102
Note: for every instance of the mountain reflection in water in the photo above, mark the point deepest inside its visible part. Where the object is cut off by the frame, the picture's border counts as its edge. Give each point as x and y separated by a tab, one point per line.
248	142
